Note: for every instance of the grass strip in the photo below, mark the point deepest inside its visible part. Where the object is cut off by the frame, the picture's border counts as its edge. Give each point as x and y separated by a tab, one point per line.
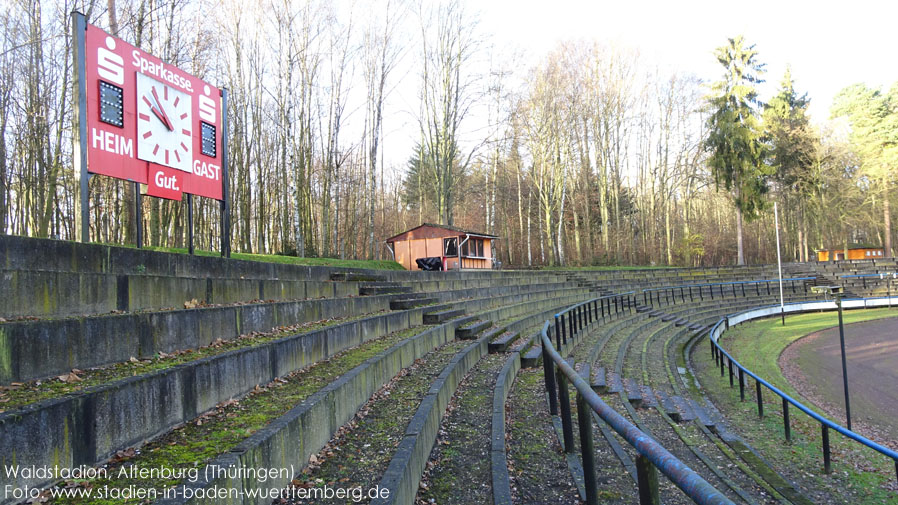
459	465
216	432
362	449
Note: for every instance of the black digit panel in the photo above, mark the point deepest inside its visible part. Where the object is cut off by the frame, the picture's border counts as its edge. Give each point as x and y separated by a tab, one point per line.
208	136
111	104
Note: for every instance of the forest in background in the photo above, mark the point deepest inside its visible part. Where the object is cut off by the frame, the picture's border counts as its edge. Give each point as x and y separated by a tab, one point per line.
593	156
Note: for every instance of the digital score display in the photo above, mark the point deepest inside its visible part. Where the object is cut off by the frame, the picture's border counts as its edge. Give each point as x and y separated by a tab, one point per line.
112	110
207	134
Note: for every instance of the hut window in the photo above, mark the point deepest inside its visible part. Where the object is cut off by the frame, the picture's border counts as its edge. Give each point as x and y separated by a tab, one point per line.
450	246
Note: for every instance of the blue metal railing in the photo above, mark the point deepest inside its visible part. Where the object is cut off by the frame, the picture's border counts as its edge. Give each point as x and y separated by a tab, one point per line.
720	355
651	456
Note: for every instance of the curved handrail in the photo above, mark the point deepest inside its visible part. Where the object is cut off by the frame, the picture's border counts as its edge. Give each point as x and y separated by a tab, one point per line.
759	281
714	335
697	488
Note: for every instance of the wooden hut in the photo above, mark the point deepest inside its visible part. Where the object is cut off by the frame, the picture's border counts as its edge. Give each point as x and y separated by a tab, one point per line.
456	248
854	253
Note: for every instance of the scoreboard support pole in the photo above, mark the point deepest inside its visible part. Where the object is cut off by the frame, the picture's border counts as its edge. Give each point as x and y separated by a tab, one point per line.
225	207
82	210
138	215
189	223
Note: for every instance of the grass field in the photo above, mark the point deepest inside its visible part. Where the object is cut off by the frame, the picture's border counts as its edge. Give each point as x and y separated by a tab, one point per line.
860	475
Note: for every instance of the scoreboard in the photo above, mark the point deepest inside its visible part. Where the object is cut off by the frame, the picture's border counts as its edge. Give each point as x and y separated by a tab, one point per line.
150	122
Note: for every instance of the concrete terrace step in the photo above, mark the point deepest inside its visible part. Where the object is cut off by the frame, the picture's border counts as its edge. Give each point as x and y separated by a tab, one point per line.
681	322
442	315
615	384
532	357
471	329
502	339
685	409
598	382
642	308
668	406
410	303
668	318
648	398
634	393
703	416
357	277
381	289
655	313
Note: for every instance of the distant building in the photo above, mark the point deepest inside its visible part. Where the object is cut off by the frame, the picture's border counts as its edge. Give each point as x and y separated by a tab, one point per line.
854	253
456	248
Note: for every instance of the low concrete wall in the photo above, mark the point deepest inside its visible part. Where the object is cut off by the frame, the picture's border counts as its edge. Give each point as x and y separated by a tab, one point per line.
87	428
404	472
498	460
45	348
43	293
290	440
303	431
26	253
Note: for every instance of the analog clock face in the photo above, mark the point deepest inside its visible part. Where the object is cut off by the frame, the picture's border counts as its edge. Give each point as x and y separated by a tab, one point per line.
164	124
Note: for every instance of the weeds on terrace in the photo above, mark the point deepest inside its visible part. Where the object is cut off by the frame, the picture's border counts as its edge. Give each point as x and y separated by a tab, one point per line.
20	394
217	431
860	475
362	449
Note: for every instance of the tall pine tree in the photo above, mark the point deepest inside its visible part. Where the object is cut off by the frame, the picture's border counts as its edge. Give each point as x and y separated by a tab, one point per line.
734	133
791	147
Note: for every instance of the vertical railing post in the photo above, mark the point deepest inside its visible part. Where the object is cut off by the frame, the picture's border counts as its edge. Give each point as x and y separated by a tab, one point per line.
564	401
584	423
786	425
741	386
647	481
549	374
721	364
760	400
644	301
827	464
602	307
731	371
557	332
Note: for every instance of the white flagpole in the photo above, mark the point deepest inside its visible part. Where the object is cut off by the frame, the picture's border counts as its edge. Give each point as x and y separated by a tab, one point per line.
779	261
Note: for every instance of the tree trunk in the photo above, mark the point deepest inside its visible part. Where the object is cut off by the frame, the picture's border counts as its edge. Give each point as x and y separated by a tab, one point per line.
740	254
887	223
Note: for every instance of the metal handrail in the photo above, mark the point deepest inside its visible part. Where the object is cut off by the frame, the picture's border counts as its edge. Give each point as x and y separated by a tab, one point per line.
651	454
719	353
759	281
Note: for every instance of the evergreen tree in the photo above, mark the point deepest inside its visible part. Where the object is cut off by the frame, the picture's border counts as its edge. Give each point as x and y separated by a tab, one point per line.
734	133
873	117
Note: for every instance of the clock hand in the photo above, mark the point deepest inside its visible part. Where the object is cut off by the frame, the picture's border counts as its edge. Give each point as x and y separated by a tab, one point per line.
164	116
161	117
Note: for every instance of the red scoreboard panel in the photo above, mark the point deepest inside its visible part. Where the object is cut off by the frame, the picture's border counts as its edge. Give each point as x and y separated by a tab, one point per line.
150	122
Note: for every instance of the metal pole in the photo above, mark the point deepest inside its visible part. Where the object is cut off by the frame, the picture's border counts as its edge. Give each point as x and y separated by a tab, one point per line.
564	401
647	481
844	366
760	400
827	466
189	223
138	214
82	221
584	422
549	372
786	425
779	262
225	206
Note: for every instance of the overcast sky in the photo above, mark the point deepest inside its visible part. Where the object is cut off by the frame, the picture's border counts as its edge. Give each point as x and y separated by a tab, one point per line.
828	44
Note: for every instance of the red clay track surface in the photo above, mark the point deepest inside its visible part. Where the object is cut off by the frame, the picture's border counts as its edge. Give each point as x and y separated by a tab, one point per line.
813	366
